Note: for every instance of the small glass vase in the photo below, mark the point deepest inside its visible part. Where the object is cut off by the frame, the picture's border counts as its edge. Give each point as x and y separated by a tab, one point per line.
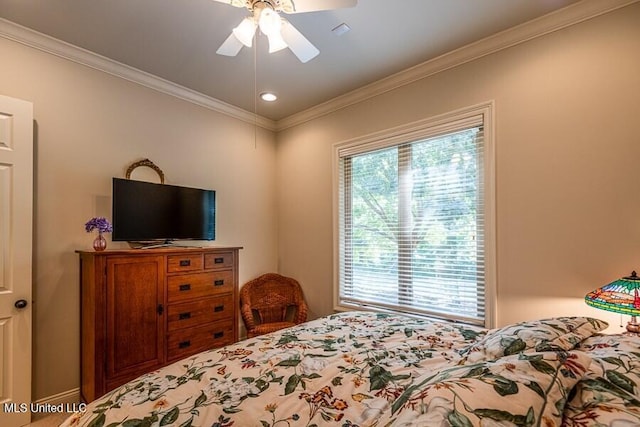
99	243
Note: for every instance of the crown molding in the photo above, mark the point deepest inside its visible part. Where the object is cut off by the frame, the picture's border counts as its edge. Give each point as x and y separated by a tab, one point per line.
554	21
568	16
17	33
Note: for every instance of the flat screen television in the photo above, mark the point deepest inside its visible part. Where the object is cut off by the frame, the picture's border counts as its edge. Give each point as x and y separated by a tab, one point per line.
149	212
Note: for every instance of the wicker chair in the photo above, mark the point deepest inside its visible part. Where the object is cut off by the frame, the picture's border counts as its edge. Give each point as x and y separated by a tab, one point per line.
271	302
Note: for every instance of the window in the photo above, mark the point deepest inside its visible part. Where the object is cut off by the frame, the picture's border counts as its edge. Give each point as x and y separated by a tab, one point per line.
415	225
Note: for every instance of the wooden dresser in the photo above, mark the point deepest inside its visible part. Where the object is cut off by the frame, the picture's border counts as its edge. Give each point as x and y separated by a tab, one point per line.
143	309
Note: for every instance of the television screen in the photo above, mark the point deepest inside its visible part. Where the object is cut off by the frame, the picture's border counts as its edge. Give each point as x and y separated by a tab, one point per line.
145	211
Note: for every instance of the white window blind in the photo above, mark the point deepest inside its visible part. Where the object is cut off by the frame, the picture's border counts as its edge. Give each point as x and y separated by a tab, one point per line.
412	222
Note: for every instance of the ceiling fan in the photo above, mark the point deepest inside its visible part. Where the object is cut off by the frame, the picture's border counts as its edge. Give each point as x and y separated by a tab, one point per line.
281	34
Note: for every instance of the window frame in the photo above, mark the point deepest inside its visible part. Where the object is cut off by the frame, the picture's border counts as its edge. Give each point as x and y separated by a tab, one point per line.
411	132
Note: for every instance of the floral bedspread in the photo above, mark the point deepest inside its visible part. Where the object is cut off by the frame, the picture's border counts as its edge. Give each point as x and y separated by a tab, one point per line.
608	395
368	369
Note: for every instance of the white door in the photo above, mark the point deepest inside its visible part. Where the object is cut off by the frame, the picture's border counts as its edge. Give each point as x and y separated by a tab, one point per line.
16	214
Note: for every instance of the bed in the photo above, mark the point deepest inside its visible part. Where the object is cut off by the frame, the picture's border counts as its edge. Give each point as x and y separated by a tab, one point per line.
371	369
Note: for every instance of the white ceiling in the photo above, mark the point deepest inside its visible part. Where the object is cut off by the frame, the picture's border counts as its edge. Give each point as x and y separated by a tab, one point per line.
177	39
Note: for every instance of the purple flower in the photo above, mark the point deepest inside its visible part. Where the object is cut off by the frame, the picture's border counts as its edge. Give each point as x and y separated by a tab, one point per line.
100	223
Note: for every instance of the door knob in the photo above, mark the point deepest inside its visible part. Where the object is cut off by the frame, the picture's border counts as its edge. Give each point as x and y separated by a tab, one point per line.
21	303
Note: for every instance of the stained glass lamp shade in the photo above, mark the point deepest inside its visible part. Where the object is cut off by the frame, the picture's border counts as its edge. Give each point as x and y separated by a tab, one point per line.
621	296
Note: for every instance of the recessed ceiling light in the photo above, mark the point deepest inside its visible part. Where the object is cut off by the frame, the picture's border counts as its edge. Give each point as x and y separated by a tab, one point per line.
268	96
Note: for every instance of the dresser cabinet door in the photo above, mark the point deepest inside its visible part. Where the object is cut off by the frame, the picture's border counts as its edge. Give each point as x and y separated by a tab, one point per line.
135	317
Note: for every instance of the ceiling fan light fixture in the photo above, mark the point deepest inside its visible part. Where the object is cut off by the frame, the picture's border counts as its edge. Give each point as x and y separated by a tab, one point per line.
276	42
281	34
270	23
245	31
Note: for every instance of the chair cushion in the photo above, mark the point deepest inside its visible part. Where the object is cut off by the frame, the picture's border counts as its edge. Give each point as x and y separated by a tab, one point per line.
265	328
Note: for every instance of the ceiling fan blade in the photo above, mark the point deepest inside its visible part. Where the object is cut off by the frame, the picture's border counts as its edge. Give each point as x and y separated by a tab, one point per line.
298	43
230	47
236	3
300	6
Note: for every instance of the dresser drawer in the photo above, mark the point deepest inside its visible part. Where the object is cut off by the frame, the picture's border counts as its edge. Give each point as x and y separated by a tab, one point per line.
188	286
219	260
186	262
185	342
190	314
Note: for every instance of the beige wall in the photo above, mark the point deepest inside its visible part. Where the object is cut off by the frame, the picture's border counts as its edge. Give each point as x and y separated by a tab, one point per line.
567	187
89	127
567	107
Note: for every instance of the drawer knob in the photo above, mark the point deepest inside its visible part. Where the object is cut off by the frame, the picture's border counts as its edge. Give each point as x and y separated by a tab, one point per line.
185	287
218	335
184	344
218	308
218	260
185	262
183	316
218	283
